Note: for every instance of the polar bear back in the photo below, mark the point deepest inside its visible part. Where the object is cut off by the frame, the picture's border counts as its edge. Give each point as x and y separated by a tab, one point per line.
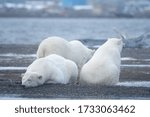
104	67
70	70
41	66
53	45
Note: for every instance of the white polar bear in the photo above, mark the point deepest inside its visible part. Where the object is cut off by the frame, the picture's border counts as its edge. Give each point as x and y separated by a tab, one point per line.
50	69
73	50
104	67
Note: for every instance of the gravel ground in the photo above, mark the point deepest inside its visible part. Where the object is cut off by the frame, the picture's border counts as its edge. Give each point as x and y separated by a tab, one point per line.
10	80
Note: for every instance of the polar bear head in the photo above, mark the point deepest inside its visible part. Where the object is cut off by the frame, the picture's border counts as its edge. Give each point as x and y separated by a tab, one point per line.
32	79
116	43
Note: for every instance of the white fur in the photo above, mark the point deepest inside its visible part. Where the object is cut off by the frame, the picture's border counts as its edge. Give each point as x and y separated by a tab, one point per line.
104	67
73	50
50	69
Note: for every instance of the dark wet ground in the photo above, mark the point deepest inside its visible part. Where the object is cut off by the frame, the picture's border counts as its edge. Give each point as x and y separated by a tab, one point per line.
10	80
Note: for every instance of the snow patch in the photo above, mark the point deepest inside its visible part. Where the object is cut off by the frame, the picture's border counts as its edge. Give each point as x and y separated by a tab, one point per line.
12	68
135	84
17	55
135	65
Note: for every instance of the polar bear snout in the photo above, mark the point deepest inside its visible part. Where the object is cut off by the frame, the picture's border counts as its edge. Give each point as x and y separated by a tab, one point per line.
24	85
31	80
28	83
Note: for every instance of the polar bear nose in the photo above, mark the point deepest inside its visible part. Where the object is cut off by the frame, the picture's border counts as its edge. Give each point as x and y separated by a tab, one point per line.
23	85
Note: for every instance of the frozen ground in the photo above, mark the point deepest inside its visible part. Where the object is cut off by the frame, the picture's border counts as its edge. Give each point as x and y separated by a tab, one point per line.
134	78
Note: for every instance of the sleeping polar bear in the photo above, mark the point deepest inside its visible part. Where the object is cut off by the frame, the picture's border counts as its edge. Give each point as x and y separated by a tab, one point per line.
104	67
50	69
73	50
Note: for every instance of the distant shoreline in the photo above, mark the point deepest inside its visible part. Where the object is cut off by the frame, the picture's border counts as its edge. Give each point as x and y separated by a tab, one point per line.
77	17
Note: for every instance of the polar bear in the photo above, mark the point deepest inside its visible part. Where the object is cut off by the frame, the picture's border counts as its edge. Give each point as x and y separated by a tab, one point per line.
50	69
73	50
104	67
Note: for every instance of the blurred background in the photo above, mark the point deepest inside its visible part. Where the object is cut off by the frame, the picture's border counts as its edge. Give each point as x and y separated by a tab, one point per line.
75	8
30	21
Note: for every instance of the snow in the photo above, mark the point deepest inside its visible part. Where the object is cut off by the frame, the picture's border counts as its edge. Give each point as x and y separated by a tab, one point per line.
135	84
12	68
17	55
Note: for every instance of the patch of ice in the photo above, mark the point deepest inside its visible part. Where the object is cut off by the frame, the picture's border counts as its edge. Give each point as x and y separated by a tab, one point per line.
17	55
128	58
12	68
133	59
135	65
135	84
10	97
